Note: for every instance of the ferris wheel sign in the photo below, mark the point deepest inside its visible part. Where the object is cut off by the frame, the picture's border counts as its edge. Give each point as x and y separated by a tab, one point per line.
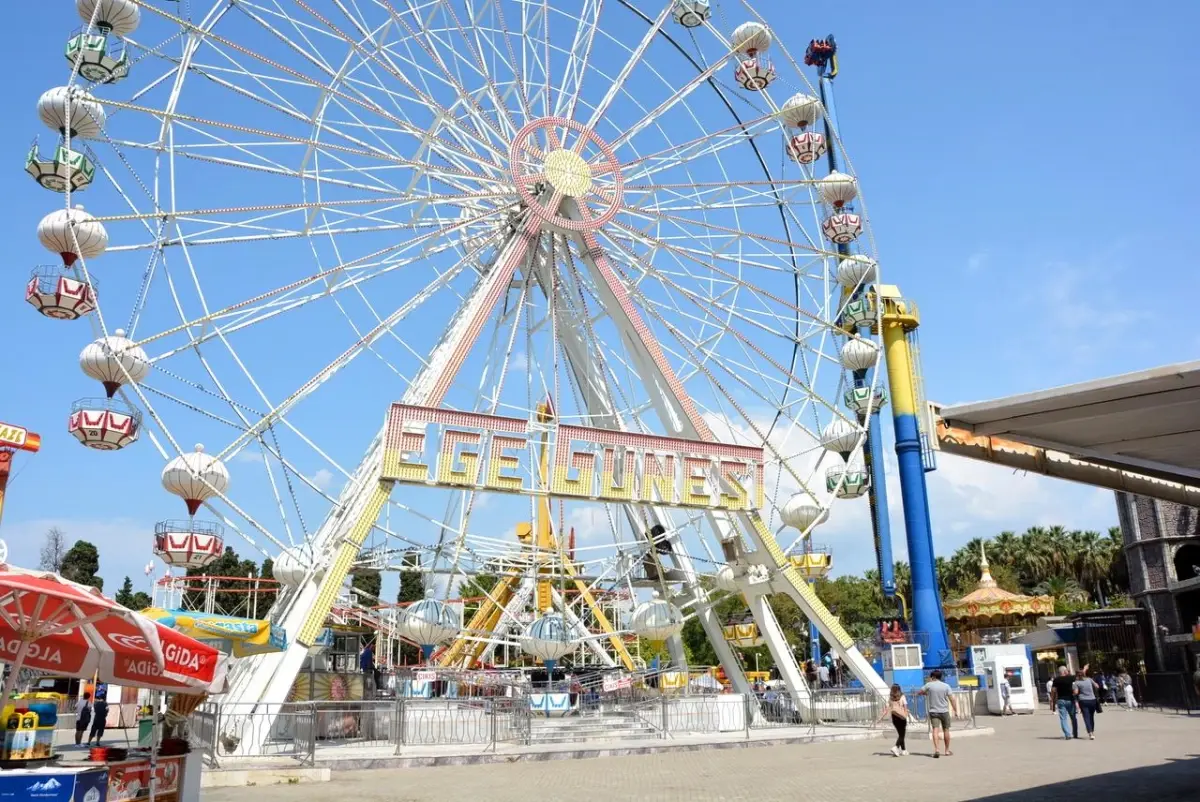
446	448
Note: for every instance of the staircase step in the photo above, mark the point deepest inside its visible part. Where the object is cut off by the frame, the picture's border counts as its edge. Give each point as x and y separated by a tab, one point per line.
609	735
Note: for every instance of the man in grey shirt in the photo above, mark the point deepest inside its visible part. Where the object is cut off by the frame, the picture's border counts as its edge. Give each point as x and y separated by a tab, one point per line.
940	703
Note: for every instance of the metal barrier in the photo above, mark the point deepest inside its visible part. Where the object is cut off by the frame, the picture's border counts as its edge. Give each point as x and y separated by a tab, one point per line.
446	722
262	730
201	733
308	731
1165	691
337	725
845	707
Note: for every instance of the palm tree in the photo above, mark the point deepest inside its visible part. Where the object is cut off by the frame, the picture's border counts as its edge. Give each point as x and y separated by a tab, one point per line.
903	582
963	567
1004	548
1062	587
1036	560
1063	551
1093	557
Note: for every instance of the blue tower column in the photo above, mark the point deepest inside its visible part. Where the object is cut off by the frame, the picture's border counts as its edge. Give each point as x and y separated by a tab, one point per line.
929	624
814	635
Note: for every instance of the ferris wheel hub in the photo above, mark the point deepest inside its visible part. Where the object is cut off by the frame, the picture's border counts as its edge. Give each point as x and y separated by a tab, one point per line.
553	157
568	173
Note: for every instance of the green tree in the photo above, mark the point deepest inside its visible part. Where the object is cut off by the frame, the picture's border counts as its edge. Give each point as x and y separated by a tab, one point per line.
227	581
412	587
81	564
266	593
476	588
124	596
140	600
369	581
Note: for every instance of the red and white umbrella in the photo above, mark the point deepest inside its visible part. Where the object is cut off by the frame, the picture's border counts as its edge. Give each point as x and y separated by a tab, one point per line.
51	624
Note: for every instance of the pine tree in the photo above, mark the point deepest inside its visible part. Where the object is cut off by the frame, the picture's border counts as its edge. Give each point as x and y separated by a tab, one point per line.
125	596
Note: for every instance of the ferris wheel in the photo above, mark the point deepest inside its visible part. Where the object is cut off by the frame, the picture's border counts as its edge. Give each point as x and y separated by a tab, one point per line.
397	263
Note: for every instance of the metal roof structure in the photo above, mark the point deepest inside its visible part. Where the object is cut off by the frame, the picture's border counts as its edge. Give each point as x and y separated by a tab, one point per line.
1146	423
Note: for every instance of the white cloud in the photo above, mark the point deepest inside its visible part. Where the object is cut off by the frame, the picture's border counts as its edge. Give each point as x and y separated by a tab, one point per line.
967	499
323	479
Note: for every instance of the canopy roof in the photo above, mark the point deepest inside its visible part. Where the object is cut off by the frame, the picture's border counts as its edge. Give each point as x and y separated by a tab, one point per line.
1147	422
990	601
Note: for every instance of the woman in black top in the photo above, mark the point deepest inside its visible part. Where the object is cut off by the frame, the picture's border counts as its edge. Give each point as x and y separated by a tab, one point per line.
99	716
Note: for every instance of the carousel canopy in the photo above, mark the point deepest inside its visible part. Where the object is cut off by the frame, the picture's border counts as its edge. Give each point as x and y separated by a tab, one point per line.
989	601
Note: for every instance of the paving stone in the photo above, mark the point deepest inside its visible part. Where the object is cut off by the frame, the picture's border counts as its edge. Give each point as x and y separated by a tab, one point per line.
1137	755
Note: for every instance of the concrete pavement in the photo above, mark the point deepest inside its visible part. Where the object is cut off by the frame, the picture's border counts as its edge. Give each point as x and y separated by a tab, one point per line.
1137	755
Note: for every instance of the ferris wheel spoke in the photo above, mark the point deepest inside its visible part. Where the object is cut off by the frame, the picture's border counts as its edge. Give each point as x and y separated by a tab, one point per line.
706	196
281	137
476	54
577	65
618	84
714	314
710	265
516	66
732	234
708	145
328	70
681	94
349	355
390	68
280	300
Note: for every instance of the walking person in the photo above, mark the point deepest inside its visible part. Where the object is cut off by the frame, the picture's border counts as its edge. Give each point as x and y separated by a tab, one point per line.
99	719
823	673
1062	698
83	716
940	704
897	706
1127	689
1088	696
366	662
1006	697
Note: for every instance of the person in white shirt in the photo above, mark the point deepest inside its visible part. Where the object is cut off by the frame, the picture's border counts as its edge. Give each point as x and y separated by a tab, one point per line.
1127	684
1006	697
823	675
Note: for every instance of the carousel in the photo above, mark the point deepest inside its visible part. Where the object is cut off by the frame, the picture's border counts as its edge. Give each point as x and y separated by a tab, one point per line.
991	615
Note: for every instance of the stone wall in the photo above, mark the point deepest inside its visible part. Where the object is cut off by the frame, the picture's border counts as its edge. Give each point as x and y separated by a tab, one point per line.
1152	531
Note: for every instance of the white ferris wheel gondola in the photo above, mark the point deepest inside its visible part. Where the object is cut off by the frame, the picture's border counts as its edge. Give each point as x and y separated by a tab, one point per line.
98	50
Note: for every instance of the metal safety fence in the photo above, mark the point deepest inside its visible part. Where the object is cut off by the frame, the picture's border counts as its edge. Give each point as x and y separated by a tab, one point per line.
312	731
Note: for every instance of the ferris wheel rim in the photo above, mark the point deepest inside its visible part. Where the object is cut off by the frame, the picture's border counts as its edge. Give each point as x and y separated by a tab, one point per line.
751	141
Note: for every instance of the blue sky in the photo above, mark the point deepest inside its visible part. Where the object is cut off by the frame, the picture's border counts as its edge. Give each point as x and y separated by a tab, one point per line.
1029	175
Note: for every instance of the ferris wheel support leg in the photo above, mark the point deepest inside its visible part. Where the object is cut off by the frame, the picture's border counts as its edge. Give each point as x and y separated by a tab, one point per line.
786	579
781	651
575	621
269	678
602	413
317	598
